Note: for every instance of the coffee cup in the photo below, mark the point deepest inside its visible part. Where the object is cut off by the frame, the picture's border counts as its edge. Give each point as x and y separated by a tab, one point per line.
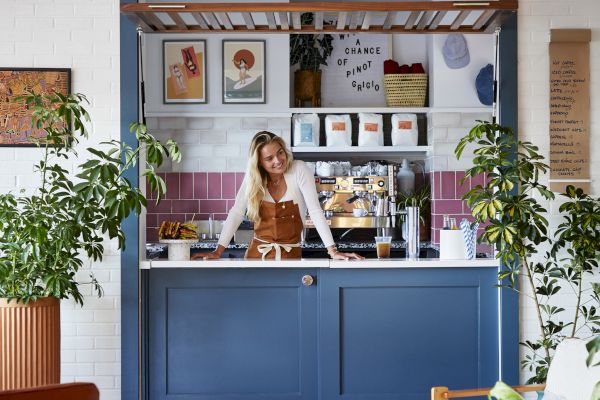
383	245
360	212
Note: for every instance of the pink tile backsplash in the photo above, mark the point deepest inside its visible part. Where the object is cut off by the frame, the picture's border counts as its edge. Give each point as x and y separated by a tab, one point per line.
447	192
172	186
200	187
192	195
214	185
228	188
186	186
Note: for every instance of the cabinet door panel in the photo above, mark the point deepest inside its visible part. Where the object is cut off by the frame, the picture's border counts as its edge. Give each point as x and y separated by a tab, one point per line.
389	334
233	334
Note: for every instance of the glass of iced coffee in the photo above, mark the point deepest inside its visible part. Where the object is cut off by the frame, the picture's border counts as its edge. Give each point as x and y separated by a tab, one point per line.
383	244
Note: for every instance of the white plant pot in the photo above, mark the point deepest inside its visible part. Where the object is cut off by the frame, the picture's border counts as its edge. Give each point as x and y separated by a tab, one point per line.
179	249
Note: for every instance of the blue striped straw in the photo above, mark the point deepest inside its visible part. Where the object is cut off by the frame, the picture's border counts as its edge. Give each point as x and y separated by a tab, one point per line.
469	236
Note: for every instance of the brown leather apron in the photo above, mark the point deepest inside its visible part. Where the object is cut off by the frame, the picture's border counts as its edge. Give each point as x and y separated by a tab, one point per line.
278	231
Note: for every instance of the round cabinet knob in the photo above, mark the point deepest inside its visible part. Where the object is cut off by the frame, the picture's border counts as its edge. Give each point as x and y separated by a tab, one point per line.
307	280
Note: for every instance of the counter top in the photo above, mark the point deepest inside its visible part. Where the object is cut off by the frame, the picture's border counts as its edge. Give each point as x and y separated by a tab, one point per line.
322	263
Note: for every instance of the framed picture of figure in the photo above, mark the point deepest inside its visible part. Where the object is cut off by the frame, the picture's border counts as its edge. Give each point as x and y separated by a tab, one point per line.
16	127
244	79
184	71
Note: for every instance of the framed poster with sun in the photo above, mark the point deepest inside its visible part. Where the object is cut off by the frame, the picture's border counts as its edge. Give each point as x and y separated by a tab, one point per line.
184	71
244	71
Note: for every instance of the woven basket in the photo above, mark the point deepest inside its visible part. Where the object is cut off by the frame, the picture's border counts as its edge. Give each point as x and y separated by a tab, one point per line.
405	90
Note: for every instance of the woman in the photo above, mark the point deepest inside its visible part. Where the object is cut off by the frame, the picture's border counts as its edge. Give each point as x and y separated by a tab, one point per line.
275	194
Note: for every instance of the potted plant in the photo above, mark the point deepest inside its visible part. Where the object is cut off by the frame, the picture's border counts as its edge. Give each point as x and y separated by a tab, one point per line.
419	198
516	226
47	236
309	51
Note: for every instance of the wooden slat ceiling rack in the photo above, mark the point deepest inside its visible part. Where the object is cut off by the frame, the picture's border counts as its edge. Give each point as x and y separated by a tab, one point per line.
330	17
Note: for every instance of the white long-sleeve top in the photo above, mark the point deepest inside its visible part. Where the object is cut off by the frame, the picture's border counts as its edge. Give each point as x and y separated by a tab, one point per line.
301	190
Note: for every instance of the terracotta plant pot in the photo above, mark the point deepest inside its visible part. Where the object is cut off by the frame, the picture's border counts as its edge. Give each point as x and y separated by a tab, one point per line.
424	231
307	87
29	343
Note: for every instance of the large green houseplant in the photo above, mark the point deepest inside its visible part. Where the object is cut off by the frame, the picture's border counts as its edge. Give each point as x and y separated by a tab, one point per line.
509	204
46	236
309	51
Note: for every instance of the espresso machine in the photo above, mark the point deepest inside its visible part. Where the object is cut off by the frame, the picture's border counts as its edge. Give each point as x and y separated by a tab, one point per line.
359	201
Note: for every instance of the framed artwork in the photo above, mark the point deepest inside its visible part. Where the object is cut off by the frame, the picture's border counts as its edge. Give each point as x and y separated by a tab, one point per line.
244	71
16	129
184	71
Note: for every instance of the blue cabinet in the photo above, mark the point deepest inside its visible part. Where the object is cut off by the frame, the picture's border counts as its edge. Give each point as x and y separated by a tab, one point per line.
232	334
253	333
393	334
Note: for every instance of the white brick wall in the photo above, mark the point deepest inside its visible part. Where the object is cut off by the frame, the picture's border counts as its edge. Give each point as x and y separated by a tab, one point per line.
535	19
82	35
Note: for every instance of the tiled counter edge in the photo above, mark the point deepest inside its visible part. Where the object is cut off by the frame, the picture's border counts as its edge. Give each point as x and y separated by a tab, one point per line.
322	263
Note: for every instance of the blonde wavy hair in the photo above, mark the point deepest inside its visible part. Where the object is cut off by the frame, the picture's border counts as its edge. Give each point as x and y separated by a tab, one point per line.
256	176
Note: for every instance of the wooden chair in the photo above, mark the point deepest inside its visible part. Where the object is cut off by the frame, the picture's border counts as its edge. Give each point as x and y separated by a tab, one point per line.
568	376
442	393
63	391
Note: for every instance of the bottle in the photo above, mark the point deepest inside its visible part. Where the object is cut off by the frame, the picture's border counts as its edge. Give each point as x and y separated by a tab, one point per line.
453	224
446	224
405	178
211	218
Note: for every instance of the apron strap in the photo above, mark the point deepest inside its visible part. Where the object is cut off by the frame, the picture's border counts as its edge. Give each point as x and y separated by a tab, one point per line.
266	248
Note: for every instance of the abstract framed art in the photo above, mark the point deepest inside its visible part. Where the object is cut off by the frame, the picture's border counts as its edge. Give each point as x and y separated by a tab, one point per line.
244	68
184	71
16	129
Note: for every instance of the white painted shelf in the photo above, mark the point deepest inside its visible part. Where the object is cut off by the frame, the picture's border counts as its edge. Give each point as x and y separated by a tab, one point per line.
265	113
354	152
355	110
363	149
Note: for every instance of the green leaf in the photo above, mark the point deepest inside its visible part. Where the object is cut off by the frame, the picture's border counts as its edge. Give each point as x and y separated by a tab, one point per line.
502	391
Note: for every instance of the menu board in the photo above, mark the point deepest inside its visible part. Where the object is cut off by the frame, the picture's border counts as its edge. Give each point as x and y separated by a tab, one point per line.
353	76
569	109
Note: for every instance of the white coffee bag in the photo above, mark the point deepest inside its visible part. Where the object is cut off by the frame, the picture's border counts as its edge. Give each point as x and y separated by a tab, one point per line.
306	129
405	131
338	130
370	129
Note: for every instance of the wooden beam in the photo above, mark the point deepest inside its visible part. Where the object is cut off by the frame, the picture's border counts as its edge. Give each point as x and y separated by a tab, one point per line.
437	19
357	18
331	6
460	19
496	21
271	20
412	19
341	22
296	20
178	20
318	20
212	20
200	20
483	19
248	20
153	20
366	21
264	29
225	20
425	18
283	20
389	19
139	21
142	20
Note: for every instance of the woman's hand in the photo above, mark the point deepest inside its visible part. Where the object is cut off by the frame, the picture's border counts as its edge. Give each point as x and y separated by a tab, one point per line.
213	255
338	255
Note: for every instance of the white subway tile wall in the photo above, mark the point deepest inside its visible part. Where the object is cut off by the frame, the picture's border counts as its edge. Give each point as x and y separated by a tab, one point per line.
215	144
535	19
83	36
